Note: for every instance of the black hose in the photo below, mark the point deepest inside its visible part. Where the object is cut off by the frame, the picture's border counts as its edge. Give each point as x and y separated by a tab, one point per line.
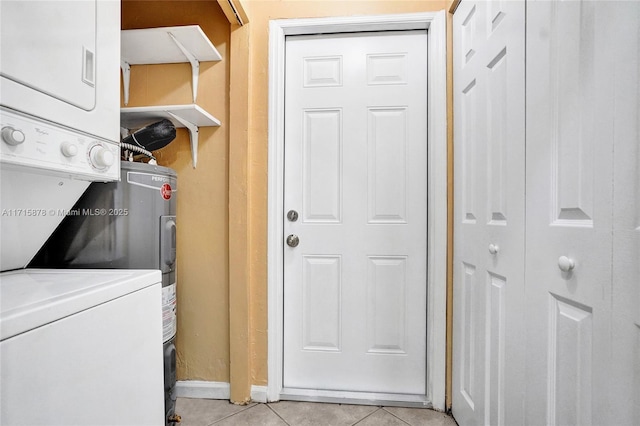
154	136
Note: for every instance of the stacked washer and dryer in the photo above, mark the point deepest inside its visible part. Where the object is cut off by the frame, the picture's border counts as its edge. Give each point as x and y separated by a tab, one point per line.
78	346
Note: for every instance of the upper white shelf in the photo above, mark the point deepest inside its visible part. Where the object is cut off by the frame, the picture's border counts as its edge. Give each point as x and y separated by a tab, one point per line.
156	45
165	45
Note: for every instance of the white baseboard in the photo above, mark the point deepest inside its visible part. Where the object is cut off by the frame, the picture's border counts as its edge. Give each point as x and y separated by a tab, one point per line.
258	393
215	390
201	389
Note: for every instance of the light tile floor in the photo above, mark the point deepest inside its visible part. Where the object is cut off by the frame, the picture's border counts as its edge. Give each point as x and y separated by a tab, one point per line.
205	412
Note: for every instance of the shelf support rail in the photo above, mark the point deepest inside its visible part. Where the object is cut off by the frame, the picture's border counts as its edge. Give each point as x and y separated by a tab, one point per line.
126	78
195	65
193	136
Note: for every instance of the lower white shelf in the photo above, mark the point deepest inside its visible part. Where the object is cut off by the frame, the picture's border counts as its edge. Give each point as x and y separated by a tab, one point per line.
136	117
189	116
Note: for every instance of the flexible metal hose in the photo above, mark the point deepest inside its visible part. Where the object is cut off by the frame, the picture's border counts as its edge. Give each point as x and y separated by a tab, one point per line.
137	149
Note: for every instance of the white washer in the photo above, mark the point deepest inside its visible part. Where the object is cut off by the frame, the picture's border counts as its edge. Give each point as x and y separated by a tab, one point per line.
81	347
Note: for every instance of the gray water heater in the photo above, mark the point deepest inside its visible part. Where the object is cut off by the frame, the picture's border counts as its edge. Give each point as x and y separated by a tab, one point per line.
129	224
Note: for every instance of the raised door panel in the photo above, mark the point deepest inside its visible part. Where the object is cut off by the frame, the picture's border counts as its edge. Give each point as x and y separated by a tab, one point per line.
387	298
573	109
387	167
497	136
467	143
321	301
496	350
570	362
322	172
468	353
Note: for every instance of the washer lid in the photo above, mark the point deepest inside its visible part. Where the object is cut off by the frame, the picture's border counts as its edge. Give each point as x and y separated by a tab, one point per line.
30	298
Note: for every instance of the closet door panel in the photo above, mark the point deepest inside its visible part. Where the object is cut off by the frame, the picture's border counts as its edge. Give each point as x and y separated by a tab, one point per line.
569	198
624	396
489	215
504	205
469	229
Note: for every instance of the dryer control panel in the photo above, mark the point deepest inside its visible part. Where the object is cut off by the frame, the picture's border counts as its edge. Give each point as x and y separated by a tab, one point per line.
49	147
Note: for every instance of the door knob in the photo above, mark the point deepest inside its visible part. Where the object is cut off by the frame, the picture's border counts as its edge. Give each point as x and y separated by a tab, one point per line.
293	240
493	248
566	264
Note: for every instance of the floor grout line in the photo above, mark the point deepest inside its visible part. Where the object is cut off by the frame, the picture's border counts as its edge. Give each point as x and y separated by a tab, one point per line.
367	416
276	413
402	420
248	407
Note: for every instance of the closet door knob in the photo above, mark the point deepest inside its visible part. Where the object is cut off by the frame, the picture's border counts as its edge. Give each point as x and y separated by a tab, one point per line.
493	248
566	264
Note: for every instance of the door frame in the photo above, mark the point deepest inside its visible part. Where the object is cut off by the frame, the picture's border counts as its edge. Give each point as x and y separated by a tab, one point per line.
435	24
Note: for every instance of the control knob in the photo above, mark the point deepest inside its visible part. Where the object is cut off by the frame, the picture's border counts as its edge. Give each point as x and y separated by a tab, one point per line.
68	149
101	157
12	136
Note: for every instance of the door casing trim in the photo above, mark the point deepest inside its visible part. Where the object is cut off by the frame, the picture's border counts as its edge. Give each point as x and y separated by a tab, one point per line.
435	24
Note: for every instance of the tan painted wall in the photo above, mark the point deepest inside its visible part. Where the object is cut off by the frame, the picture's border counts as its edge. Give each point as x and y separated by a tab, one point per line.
202	223
222	206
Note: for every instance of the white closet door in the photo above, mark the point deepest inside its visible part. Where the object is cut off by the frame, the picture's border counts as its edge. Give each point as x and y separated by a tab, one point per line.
579	112
579	341
489	212
623	397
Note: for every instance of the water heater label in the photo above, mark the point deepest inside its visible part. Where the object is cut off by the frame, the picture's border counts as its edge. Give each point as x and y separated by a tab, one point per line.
169	320
147	180
165	191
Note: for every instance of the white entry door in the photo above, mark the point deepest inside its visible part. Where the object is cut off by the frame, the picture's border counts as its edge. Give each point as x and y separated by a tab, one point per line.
356	178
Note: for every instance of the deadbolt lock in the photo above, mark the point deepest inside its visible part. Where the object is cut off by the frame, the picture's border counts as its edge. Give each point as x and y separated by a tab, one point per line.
292	215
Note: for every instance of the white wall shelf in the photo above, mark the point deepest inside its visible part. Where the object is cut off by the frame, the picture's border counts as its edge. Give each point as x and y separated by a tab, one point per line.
166	45
189	116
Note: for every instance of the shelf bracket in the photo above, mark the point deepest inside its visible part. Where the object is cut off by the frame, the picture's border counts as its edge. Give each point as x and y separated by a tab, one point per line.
193	136
126	78
195	65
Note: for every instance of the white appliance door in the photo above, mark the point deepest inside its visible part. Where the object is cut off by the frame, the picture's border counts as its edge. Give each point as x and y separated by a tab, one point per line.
60	61
99	366
53	51
356	153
